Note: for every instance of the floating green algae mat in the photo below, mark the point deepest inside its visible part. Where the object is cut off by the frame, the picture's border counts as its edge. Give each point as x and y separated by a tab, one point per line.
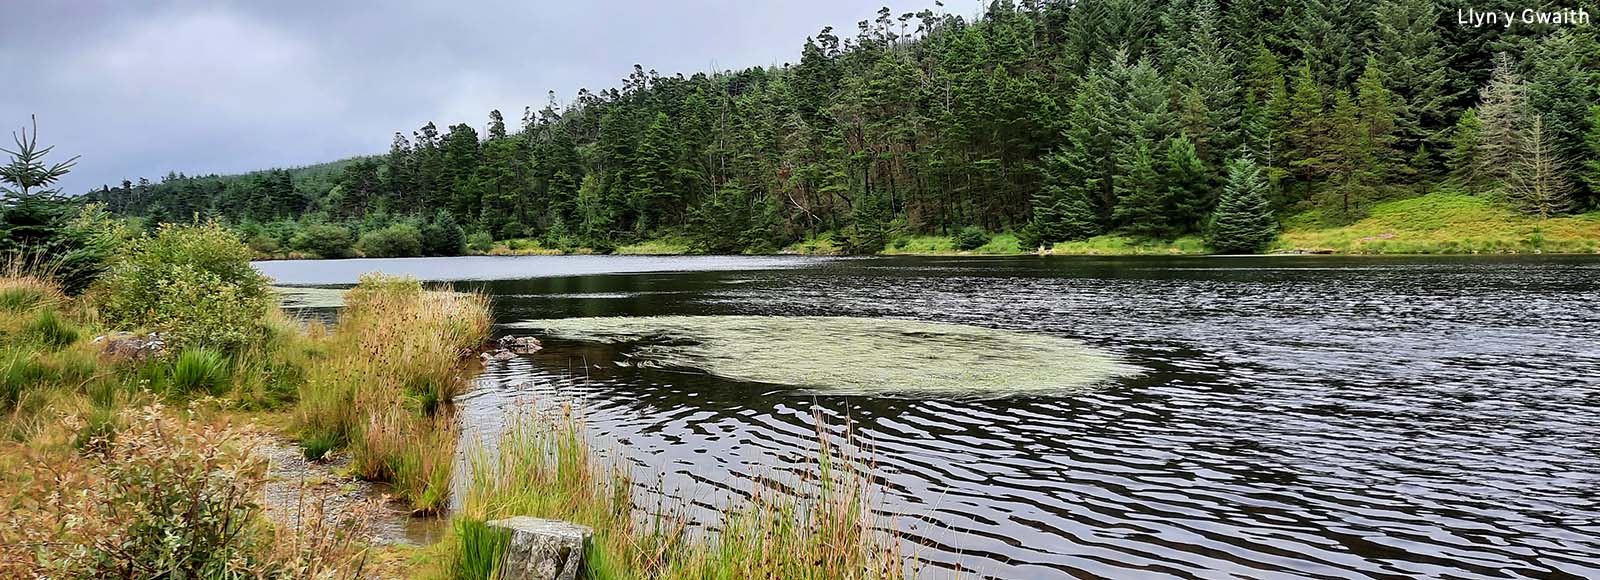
852	355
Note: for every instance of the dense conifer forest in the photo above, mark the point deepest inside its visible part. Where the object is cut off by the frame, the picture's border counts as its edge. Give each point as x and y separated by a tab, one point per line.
1056	120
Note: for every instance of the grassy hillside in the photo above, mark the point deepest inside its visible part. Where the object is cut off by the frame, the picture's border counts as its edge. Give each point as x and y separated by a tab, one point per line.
1443	223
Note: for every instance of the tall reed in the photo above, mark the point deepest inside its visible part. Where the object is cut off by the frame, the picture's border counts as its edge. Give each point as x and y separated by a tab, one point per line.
394	361
821	526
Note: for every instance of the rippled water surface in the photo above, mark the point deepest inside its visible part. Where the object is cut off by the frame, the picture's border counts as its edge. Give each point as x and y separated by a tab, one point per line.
1293	417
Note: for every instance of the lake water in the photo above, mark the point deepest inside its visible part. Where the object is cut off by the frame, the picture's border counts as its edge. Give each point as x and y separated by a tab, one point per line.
1288	416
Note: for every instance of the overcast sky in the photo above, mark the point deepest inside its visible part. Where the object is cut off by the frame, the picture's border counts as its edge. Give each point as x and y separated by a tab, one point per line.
226	87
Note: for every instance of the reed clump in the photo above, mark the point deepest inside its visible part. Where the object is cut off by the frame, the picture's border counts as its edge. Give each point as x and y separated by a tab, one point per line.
818	526
393	363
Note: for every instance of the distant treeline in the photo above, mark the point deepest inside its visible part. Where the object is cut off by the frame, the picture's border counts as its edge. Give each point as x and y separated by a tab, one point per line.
1056	119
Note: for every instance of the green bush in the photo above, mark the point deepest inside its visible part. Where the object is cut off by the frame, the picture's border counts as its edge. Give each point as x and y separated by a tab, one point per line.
971	238
47	328
396	241
200	370
442	236
192	283
324	240
480	242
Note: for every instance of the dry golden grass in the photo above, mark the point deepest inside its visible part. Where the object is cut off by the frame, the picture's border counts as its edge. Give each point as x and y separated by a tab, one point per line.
382	389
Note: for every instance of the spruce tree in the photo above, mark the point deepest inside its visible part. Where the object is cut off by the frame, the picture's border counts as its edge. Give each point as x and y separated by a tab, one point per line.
1243	221
1189	187
1142	200
1502	112
1590	173
1539	183
1461	160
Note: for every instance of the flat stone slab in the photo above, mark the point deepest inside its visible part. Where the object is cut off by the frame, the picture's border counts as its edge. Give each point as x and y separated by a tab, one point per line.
542	549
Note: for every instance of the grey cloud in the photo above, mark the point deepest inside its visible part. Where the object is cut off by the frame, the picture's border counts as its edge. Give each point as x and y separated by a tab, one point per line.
139	89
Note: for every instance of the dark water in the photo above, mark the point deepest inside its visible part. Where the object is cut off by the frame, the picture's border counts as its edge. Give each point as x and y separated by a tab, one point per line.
1295	417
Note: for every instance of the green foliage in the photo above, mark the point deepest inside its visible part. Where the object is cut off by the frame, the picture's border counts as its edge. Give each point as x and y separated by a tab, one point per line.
1056	120
869	232
396	241
324	240
1243	222
479	549
47	328
193	284
971	238
480	242
200	371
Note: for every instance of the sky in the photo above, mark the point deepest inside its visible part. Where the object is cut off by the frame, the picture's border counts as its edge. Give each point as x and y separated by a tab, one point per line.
138	89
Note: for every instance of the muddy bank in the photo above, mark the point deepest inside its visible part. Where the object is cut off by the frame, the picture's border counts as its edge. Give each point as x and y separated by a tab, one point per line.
291	478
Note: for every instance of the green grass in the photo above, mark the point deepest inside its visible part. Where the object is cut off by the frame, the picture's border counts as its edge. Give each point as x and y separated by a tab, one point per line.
1443	223
1118	244
200	371
50	330
823	244
1001	244
666	245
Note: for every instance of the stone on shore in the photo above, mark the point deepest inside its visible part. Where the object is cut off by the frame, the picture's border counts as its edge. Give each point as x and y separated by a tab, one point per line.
542	549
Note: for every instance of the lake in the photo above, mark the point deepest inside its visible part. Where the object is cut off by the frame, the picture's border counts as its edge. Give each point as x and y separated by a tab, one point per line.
1309	416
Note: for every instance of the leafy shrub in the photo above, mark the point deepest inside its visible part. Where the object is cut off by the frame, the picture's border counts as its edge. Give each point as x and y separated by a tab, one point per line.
324	240
48	329
971	238
200	370
396	241
165	498
192	283
480	242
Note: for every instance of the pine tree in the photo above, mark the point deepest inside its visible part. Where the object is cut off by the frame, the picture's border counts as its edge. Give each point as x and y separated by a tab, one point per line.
1566	74
1461	160
1591	167
655	184
1307	131
1502	113
1411	52
1539	182
1189	190
1142	199
1242	222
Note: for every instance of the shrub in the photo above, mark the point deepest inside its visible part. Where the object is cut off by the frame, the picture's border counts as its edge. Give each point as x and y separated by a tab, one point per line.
324	240
396	241
194	284
165	498
971	238
480	242
199	370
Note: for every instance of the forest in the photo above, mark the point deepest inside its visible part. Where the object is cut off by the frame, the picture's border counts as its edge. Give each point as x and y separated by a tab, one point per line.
1055	120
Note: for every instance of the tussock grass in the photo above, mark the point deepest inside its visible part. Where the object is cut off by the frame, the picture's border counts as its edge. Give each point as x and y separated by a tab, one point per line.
200	371
393	363
820	526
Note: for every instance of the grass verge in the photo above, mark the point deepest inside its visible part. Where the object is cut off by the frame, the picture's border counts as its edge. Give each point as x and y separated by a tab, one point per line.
1443	223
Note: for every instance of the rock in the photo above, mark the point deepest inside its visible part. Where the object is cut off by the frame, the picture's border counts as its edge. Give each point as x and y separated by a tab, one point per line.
520	344
130	346
504	355
542	549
